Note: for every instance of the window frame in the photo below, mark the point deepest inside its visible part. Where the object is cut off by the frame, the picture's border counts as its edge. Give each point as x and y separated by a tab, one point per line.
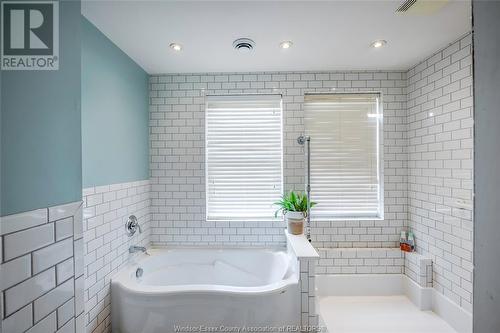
380	160
282	136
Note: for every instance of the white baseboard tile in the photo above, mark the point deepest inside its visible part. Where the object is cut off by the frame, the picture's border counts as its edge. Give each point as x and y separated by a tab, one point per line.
418	295
359	285
322	325
452	313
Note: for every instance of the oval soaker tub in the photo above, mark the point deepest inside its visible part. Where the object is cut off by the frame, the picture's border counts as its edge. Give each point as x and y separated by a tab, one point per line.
207	290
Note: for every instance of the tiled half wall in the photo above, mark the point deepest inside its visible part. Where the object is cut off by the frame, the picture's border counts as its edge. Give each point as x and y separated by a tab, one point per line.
41	273
106	210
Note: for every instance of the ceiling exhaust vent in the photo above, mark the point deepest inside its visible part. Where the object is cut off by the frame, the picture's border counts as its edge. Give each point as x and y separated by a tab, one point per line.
244	45
405	6
421	7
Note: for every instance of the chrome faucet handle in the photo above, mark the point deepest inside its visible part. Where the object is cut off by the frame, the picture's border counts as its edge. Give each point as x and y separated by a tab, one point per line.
132	225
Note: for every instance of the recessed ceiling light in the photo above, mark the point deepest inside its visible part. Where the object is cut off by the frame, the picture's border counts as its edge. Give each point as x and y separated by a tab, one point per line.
379	43
176	46
286	44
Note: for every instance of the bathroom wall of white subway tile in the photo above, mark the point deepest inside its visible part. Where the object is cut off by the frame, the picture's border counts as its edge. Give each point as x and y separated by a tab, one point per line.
440	153
41	271
177	166
106	210
360	261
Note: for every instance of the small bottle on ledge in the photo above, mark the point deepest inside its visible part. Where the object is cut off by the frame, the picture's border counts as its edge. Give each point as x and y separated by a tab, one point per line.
407	241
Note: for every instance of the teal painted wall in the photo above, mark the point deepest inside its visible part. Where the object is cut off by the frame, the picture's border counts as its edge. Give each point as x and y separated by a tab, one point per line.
41	125
114	113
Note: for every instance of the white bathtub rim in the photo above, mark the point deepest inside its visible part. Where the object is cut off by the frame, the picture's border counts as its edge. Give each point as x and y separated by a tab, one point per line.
205	288
124	279
153	248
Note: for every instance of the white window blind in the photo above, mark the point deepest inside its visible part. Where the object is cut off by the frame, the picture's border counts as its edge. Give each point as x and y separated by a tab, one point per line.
346	148
243	156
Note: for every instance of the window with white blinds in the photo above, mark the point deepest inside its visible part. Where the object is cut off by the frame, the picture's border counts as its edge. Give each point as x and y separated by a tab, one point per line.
243	156
346	155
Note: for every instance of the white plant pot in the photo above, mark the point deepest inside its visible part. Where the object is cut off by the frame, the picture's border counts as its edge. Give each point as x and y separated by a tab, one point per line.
295	222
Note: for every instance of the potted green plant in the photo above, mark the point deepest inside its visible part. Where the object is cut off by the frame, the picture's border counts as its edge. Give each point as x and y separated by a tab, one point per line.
293	206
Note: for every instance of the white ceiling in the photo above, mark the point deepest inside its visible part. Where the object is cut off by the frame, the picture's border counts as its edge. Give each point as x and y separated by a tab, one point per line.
327	35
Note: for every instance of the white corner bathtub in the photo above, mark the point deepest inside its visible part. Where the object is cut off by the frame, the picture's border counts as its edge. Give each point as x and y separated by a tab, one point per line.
206	290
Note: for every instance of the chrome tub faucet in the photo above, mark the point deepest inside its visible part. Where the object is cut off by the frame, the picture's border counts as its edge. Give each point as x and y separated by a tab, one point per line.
134	249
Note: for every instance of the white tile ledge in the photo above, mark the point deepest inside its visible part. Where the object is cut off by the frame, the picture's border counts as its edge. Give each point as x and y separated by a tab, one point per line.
301	247
29	219
16	222
63	211
418	256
